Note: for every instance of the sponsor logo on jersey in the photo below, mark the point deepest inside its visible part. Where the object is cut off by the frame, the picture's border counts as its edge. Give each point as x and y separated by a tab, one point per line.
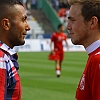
82	82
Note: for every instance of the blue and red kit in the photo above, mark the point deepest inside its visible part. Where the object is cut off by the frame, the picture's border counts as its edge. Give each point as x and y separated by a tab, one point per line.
10	87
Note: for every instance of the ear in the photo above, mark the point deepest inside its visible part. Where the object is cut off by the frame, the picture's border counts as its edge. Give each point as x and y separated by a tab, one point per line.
5	23
94	22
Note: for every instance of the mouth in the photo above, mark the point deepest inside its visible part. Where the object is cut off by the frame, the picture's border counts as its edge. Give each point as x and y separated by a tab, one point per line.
71	34
24	34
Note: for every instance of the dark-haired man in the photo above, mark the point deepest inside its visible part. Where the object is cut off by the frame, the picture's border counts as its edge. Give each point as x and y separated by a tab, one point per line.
84	29
57	39
13	28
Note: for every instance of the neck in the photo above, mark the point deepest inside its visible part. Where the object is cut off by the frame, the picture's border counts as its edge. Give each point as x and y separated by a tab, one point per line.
91	39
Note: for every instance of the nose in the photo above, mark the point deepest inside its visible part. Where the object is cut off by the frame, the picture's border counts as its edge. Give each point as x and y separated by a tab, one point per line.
27	27
68	26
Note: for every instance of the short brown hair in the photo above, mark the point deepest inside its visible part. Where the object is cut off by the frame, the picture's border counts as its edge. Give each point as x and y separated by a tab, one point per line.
89	8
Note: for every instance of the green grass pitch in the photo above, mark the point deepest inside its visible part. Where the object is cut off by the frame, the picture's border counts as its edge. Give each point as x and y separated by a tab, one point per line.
38	78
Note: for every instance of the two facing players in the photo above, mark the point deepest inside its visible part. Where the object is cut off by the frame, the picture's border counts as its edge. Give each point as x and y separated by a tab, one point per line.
57	53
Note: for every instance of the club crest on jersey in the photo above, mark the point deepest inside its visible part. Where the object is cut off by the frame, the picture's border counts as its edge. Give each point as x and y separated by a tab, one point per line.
59	38
82	82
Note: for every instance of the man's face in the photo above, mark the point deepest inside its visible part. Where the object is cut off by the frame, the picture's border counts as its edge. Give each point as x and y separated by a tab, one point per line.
62	29
19	27
78	29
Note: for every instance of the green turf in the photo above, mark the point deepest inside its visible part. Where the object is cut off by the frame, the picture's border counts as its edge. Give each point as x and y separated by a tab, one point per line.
38	78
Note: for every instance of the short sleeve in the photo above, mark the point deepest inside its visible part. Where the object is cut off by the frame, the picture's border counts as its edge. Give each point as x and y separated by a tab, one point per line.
53	37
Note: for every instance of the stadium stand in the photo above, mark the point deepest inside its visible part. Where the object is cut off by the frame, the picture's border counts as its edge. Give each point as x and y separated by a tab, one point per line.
62	8
36	28
45	18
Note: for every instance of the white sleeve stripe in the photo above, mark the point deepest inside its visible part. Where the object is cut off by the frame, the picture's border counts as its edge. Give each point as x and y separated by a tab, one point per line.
2	65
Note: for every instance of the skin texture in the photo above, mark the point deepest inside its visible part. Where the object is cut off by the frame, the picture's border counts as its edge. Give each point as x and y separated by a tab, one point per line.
82	32
14	28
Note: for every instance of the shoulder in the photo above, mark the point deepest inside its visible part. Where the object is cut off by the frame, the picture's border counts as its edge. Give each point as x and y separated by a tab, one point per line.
95	59
94	65
64	34
96	56
3	55
53	34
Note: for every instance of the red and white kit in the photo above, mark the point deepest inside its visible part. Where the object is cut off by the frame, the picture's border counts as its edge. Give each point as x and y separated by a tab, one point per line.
89	85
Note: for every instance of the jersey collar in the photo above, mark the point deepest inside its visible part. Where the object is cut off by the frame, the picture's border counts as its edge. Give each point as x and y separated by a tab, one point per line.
4	47
93	46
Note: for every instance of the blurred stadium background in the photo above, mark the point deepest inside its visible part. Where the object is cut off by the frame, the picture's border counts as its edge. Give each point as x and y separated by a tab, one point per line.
37	73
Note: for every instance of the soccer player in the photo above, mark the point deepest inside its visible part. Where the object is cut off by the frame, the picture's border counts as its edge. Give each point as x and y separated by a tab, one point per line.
13	28
57	39
84	29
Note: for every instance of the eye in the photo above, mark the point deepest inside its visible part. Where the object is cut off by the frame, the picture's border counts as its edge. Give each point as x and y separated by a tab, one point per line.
72	20
25	18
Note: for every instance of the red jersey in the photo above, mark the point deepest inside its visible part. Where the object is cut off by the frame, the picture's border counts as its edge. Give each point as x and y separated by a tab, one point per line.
58	39
89	85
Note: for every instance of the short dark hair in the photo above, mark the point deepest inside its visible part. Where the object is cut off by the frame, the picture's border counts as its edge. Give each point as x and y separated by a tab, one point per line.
59	26
11	2
7	7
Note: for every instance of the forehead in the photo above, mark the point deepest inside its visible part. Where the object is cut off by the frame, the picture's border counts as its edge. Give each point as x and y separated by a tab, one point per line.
19	10
75	11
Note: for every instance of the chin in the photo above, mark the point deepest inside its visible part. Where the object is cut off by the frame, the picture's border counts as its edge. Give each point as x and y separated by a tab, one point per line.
75	42
20	43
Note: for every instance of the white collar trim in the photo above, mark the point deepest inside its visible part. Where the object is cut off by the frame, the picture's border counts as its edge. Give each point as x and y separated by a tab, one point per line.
93	46
7	49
